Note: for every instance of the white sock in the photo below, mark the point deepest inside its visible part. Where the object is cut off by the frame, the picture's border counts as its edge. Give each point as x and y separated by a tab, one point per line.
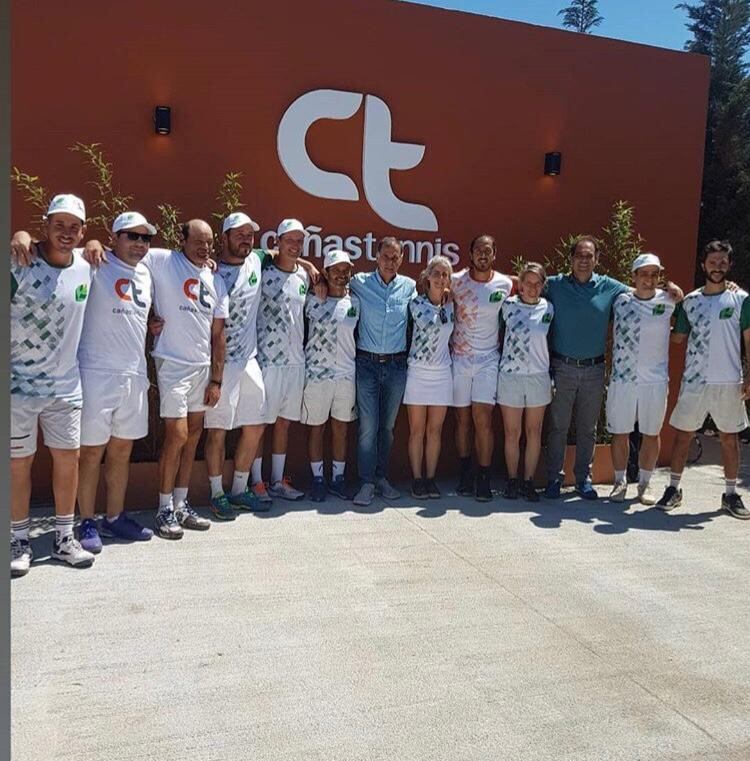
20	529
277	467
165	501
257	470
317	468
731	486
180	495
239	482
63	526
620	476
217	488
644	477
674	479
338	468
113	518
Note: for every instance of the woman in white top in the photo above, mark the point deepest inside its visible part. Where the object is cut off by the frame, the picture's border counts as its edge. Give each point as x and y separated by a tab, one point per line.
524	388
429	384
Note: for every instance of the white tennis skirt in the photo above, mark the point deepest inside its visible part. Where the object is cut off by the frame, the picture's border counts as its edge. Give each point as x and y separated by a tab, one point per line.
429	386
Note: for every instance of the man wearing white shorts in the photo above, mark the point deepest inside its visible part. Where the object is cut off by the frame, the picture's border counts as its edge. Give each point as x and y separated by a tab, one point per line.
716	322
330	369
478	294
189	352
47	304
281	354
639	380
243	395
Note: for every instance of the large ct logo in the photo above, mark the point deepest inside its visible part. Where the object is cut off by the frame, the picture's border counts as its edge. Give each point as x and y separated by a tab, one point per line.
379	156
121	289
203	295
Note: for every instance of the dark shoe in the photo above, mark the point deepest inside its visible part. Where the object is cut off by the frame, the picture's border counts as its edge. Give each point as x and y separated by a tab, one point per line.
418	489
732	503
88	536
585	490
319	489
465	486
432	489
528	491
221	509
339	488
671	498
483	491
125	527
553	490
511	489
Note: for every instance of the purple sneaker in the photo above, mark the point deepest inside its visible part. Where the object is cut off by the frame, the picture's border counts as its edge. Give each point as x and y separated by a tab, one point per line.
88	536
125	527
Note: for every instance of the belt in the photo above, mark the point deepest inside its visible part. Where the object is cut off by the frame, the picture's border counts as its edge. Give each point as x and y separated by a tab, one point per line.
590	362
381	357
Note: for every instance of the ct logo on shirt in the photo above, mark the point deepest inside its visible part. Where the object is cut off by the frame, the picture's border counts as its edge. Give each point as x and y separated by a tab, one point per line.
121	289
189	288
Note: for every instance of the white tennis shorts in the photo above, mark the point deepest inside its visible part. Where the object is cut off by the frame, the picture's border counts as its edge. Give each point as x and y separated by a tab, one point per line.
628	403
243	397
474	381
284	387
60	420
329	398
182	388
722	401
113	405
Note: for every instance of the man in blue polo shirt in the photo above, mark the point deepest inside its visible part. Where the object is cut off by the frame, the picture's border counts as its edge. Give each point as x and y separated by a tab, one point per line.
381	365
583	306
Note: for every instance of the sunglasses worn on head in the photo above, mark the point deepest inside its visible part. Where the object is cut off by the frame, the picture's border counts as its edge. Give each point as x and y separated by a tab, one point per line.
145	237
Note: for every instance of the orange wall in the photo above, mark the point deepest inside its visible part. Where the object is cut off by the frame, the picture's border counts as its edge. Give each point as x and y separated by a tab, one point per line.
486	97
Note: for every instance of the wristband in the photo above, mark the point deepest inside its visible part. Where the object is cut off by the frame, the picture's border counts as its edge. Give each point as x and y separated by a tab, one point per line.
218	383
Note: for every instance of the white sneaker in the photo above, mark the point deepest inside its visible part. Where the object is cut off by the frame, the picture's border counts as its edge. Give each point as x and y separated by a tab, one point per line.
619	492
645	495
284	490
383	488
69	550
21	556
365	495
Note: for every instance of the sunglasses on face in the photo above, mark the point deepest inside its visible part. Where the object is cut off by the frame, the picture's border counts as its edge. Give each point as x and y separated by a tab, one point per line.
145	237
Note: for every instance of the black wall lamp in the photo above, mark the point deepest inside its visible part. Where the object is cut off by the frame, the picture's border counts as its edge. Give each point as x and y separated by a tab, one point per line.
162	120
552	163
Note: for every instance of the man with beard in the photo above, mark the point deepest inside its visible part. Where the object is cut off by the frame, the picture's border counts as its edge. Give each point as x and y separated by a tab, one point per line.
478	295
716	322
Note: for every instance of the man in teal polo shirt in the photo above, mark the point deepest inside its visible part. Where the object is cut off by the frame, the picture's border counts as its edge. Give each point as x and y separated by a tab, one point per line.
583	306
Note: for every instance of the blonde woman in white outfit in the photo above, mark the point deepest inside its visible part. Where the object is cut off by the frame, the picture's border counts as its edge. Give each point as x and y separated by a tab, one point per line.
429	383
524	388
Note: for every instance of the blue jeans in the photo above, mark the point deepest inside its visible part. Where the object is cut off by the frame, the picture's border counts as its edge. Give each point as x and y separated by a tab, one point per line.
380	389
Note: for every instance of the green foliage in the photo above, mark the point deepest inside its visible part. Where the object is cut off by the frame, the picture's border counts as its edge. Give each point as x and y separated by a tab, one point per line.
34	194
230	200
517	263
109	201
169	229
581	16
721	30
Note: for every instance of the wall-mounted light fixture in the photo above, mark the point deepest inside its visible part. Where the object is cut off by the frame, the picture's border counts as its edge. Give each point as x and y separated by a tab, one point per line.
552	163
162	120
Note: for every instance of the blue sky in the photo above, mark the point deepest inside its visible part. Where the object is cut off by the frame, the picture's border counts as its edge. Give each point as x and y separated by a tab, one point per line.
652	22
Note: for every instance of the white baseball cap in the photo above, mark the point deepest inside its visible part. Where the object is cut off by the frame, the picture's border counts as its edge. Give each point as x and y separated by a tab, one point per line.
130	219
335	257
290	225
68	204
237	219
646	260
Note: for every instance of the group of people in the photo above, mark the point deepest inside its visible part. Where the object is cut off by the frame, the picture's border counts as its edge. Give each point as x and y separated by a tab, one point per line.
262	338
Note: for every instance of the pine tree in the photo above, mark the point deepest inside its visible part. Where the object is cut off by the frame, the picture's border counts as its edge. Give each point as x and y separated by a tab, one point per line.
581	16
721	30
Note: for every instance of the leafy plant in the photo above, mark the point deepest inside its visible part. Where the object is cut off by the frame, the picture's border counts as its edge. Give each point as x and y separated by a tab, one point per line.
581	16
35	194
169	229
230	200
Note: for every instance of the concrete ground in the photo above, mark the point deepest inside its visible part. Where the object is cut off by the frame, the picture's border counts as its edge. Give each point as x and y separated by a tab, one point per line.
443	630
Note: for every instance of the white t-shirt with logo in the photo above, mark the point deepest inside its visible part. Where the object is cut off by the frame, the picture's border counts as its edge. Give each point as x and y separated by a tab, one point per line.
477	309
281	317
714	324
243	284
330	350
525	350
115	327
47	309
640	350
188	299
432	327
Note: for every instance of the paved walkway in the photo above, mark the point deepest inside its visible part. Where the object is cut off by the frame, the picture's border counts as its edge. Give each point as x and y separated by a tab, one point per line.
445	630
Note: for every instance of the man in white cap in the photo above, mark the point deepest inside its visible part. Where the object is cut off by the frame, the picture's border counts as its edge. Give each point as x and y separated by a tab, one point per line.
330	370
47	305
281	355
639	380
189	352
114	379
715	320
243	396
